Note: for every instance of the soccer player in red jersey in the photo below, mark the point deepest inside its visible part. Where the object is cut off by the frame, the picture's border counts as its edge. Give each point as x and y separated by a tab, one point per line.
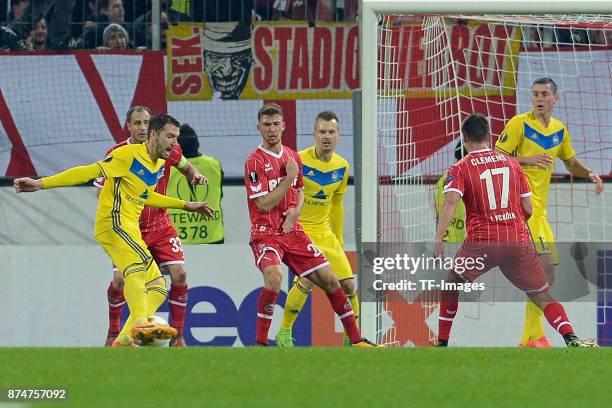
273	179
158	233
497	202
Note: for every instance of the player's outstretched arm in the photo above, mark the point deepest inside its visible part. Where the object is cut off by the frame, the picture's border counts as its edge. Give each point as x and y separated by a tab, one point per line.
71	177
202	208
161	201
27	185
578	169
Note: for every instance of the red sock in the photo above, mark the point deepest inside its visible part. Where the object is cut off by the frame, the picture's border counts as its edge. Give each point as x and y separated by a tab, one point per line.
115	308
449	304
265	310
555	314
342	306
177	303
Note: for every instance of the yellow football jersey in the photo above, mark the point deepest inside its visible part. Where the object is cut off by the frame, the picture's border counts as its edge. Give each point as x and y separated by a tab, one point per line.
324	187
524	136
456	230
131	176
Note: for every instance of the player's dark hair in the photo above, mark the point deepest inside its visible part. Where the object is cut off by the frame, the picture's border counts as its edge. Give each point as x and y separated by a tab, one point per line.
475	128
188	139
160	120
327	115
546	81
460	151
136	108
269	109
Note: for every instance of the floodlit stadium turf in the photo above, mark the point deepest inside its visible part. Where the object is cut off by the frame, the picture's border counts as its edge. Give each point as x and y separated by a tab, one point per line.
312	377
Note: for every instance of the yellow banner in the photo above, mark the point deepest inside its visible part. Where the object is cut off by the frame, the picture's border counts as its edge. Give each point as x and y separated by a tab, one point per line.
271	60
290	60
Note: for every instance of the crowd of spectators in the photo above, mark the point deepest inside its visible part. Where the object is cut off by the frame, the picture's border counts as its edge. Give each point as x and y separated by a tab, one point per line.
126	24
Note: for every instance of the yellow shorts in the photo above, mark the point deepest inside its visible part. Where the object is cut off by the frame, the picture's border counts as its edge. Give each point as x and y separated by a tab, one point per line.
333	251
128	252
542	237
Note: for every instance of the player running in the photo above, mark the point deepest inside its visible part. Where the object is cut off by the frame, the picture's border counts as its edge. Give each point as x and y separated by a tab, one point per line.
497	202
131	174
325	179
275	198
536	139
157	232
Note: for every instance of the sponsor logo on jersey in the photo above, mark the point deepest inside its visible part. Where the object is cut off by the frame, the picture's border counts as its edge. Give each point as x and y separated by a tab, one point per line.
256	188
320	195
107	159
310	173
275	182
503	137
253	177
145	195
267	167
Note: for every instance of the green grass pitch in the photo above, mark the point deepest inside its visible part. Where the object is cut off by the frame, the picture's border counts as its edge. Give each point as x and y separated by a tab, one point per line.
312	377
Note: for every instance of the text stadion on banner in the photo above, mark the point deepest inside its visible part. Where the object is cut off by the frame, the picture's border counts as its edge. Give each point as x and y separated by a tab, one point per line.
283	60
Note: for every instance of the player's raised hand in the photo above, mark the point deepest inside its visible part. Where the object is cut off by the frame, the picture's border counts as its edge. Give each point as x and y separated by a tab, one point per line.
292	168
27	185
291	216
594	177
199	179
540	160
202	208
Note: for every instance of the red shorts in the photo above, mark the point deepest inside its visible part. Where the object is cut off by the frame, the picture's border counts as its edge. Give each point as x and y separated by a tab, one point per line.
165	247
519	263
294	249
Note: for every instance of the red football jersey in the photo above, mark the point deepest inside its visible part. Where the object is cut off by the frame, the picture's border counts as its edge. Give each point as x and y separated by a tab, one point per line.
491	186
263	171
154	219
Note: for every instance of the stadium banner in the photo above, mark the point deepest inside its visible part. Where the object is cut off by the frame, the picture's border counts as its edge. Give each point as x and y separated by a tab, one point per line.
104	86
270	60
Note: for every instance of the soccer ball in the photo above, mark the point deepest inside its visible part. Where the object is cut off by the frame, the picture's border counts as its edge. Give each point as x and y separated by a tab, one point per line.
157	342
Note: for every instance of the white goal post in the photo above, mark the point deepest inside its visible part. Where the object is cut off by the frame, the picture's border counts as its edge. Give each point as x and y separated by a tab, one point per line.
549	11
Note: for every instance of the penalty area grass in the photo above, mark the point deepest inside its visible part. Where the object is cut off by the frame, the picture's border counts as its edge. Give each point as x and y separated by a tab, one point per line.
311	377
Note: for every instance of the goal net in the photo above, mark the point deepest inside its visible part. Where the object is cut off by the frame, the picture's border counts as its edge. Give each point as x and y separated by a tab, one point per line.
433	71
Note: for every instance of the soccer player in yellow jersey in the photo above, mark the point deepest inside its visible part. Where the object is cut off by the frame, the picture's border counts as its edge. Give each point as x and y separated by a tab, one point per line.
536	139
325	180
456	229
131	174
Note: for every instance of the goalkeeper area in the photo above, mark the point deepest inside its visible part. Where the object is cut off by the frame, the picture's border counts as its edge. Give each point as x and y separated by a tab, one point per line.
306	377
423	74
